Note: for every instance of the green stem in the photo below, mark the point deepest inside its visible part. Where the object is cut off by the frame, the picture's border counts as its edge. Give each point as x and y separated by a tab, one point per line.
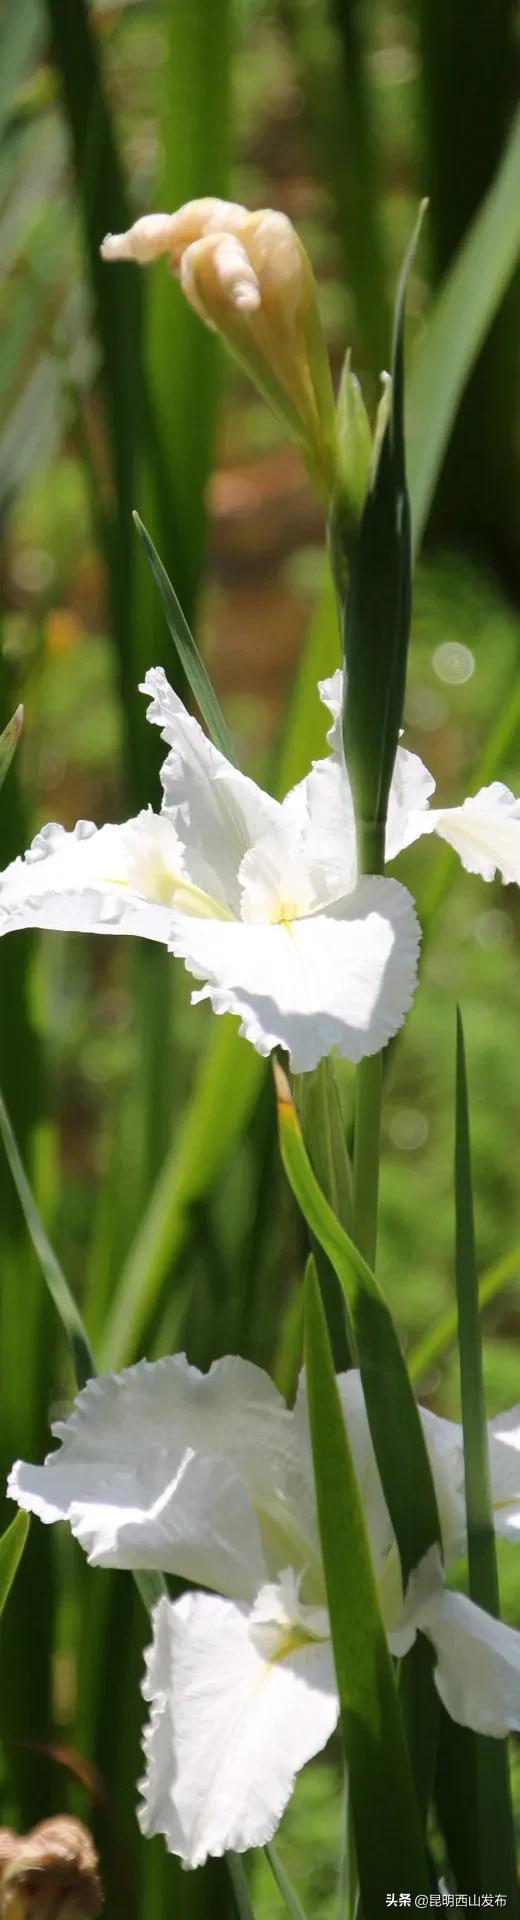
282	1881
369	1083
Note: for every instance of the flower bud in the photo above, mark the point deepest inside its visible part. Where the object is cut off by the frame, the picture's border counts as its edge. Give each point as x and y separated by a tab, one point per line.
216	274
49	1873
249	278
171	233
355	448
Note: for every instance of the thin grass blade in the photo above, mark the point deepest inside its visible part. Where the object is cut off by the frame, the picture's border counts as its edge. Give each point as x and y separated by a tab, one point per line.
12	1545
237	1875
456	328
495	1840
187	650
381	1784
9	742
436	1342
282	1881
150	1585
70	1316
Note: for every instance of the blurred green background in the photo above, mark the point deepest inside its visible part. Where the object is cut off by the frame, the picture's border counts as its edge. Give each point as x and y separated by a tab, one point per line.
148	1130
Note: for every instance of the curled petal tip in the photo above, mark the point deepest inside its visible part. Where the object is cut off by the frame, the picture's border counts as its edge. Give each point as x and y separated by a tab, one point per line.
144	241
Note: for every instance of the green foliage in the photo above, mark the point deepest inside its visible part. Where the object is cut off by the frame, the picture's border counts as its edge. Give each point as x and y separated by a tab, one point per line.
381	1783
189	656
12	1544
496	1842
392	1413
156	1175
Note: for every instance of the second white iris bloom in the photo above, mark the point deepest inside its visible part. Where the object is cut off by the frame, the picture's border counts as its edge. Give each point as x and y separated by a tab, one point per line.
261	898
209	1476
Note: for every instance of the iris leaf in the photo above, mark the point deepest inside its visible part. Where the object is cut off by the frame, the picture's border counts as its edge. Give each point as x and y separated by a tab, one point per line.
9	742
393	1416
12	1544
495	1833
82	1358
381	1784
187	650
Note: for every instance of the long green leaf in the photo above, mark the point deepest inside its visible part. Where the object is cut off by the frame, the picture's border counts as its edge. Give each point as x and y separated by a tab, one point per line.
70	1316
456	328
282	1881
393	1417
228	1083
117	297
150	1585
495	1839
436	1341
12	1545
9	742
21	30
376	614
383	1800
338	100
182	358
188	652
237	1875
321	1121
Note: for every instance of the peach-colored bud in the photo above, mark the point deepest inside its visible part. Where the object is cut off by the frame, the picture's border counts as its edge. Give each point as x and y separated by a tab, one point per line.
145	241
170	233
248	277
276	255
216	272
49	1873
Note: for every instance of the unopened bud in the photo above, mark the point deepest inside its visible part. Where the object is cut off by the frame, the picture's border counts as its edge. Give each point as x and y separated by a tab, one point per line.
216	274
355	449
170	233
249	278
50	1873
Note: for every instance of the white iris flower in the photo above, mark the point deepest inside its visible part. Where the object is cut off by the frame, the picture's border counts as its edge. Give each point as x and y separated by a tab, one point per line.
261	898
209	1476
244	889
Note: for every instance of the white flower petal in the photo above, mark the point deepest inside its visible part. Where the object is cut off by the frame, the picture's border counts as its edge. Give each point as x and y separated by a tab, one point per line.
411	785
377	1518
146	240
217	810
322	806
230	1726
484	831
504	1461
276	881
331	693
343	978
162	1466
477	1669
408	800
444	1441
115	879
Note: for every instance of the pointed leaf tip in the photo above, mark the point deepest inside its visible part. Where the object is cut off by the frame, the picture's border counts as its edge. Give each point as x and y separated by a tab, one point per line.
9	741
